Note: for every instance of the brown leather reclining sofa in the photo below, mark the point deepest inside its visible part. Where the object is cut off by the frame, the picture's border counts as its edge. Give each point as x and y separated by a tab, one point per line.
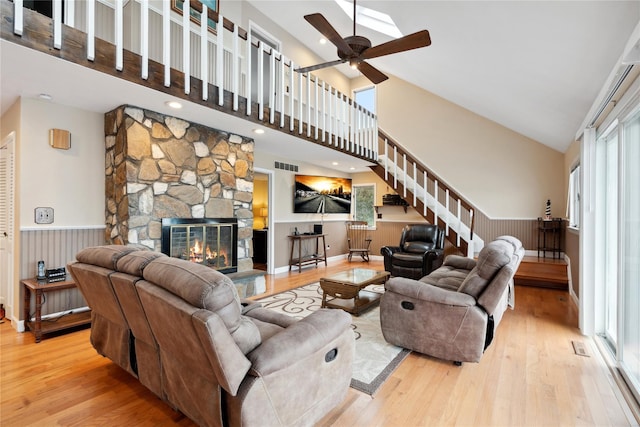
181	329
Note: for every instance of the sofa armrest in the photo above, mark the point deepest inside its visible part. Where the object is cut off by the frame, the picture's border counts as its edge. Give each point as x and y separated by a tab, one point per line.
297	341
389	250
460	262
227	361
426	292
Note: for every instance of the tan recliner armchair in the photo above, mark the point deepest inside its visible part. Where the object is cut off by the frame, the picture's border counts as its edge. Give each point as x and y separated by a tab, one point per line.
453	312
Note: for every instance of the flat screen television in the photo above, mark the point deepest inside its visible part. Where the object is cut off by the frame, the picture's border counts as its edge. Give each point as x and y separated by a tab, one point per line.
322	194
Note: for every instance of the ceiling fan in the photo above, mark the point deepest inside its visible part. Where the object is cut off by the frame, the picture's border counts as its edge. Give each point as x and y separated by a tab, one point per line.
356	49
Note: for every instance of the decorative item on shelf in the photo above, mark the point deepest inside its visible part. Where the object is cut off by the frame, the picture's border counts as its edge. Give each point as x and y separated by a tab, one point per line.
547	211
264	213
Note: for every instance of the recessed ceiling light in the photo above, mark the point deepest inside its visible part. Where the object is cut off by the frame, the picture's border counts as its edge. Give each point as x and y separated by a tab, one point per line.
258	131
173	104
334	163
45	96
323	41
352	168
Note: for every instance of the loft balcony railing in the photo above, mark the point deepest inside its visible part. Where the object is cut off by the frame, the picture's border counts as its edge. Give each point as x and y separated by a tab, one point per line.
191	58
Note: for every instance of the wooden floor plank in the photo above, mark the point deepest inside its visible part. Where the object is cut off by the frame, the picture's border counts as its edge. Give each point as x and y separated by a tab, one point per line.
529	376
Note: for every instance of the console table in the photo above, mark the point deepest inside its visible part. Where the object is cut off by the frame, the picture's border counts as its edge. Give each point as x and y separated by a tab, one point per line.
301	260
37	326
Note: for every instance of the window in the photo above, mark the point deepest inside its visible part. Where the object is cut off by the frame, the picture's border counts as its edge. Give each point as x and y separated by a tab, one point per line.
364	197
366	97
573	199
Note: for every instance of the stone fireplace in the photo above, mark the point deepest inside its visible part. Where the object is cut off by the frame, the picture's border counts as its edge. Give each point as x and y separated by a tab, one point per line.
158	167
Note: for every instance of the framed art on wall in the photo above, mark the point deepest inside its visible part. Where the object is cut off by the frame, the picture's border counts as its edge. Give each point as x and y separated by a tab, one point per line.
178	6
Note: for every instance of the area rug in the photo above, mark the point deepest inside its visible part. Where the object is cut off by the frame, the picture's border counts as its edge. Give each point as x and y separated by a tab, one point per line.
375	359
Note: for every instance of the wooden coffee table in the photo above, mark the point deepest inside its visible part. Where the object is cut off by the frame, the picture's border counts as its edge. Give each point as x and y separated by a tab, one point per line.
346	288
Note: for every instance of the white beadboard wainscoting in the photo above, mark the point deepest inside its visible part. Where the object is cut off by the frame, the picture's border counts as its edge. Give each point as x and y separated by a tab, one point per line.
57	248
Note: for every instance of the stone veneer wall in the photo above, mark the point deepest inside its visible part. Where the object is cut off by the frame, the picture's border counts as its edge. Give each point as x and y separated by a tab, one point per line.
160	166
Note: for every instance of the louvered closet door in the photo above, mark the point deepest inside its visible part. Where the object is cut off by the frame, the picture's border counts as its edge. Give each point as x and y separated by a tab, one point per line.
6	222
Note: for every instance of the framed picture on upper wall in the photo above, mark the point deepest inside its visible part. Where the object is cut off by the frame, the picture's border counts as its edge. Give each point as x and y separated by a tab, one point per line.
178	6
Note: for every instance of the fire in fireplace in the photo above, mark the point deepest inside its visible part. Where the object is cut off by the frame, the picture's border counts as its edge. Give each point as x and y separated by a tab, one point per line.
209	241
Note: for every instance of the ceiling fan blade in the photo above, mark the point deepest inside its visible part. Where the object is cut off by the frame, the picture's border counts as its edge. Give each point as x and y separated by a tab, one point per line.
372	73
326	29
412	41
319	66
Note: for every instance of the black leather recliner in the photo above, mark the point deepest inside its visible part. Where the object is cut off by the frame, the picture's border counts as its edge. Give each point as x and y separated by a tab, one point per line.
420	252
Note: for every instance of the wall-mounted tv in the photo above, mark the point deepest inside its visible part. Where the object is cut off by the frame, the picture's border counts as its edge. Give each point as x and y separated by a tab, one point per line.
322	194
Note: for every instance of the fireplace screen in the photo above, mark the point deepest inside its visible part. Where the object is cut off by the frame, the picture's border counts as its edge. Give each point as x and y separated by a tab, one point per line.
212	242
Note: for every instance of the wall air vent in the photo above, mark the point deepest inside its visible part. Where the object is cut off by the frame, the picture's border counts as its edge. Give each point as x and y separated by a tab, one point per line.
286	166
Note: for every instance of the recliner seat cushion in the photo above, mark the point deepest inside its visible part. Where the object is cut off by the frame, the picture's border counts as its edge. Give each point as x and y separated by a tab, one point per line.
401	259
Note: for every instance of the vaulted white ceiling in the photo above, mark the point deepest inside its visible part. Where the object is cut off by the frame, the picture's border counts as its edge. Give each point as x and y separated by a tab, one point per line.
535	67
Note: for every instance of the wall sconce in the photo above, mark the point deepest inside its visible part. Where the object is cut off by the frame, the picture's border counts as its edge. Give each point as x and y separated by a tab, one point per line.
264	213
60	138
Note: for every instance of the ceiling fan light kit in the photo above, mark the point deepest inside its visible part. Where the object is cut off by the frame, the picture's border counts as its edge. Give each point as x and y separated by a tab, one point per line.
356	49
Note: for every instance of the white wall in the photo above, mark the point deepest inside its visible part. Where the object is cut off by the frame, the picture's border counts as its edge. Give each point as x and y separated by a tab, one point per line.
70	181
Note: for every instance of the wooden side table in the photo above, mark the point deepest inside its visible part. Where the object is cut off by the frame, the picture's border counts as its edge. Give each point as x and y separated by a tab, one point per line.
301	260
36	325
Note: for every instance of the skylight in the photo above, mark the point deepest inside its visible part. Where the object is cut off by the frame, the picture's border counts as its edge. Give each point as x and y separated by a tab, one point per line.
377	21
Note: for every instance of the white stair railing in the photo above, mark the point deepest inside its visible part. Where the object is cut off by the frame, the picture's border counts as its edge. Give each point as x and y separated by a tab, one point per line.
402	170
330	117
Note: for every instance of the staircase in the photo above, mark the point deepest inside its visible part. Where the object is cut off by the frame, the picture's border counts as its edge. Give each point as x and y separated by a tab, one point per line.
428	194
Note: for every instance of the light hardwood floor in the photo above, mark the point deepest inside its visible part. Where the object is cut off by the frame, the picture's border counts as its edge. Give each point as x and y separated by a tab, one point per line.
528	376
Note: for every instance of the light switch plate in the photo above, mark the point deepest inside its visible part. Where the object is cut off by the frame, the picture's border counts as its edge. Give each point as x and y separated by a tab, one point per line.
43	215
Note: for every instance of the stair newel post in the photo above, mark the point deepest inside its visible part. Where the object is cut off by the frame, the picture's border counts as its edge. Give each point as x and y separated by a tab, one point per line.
144	39
472	220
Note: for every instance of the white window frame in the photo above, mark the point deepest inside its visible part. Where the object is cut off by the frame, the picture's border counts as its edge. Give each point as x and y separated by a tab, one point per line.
373	204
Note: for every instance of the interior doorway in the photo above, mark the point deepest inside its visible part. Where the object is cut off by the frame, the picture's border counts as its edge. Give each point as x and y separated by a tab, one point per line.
263	214
7	209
